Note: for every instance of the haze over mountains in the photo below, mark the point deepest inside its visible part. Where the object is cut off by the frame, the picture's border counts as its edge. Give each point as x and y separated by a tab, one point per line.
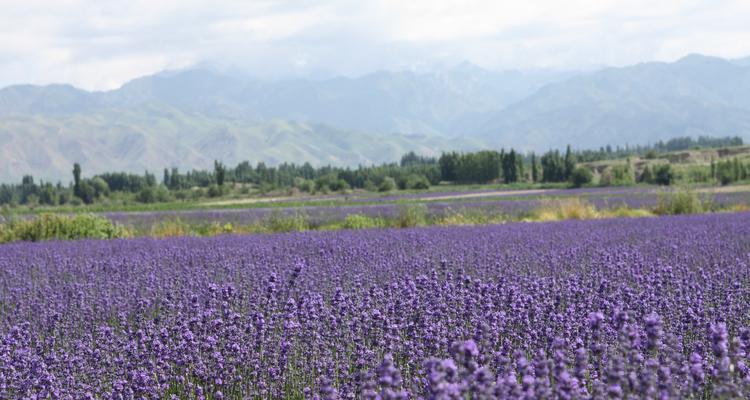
189	118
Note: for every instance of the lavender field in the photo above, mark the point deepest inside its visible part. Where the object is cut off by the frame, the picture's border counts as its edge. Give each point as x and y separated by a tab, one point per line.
618	308
514	204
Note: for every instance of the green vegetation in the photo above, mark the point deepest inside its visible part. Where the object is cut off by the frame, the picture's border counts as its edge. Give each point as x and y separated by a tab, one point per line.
682	201
411	215
361	221
451	171
652	151
581	176
61	227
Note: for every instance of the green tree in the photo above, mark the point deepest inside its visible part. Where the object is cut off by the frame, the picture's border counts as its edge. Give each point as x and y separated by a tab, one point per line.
663	175
87	192
77	179
570	163
553	167
646	176
101	189
510	166
219	172
387	184
417	181
534	169
581	176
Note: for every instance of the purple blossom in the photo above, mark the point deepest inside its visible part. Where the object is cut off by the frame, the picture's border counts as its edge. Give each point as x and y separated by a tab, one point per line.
622	308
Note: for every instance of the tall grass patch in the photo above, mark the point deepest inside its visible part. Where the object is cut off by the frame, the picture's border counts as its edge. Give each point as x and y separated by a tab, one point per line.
411	215
61	227
682	201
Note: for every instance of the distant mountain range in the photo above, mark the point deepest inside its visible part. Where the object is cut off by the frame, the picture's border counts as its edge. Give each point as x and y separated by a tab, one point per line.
189	118
152	137
641	104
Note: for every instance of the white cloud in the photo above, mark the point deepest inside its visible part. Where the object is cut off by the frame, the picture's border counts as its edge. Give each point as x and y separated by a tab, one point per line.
101	44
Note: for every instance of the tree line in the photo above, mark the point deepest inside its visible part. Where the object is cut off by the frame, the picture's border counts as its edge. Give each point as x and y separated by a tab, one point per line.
412	172
653	150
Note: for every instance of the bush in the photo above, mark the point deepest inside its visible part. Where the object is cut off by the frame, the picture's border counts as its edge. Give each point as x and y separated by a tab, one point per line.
617	175
557	210
304	185
387	185
361	221
146	195
170	228
215	190
581	176
646	176
663	175
280	222
725	176
330	182
411	215
340	185
5	234
417	181
681	202
470	216
62	227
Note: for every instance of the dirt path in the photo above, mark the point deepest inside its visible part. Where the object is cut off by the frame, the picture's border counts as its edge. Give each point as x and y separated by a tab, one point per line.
258	200
725	189
494	193
251	200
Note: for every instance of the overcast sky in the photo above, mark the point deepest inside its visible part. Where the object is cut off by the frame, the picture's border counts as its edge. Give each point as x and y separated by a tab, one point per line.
102	44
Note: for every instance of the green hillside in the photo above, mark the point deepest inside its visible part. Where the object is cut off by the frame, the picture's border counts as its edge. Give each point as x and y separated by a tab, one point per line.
154	137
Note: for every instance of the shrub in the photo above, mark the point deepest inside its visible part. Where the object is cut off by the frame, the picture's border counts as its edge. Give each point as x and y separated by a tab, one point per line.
330	182
214	190
470	216
361	221
387	185
725	176
304	185
565	209
663	175
213	229
617	175
646	176
369	186
170	228
411	215
62	227
146	195
681	202
581	176
277	221
417	181
5	234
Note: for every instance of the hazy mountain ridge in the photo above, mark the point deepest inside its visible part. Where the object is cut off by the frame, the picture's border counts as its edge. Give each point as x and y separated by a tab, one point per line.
188	118
697	95
380	103
154	137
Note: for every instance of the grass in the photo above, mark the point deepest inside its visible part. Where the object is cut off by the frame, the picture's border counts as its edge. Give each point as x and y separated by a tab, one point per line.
577	209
